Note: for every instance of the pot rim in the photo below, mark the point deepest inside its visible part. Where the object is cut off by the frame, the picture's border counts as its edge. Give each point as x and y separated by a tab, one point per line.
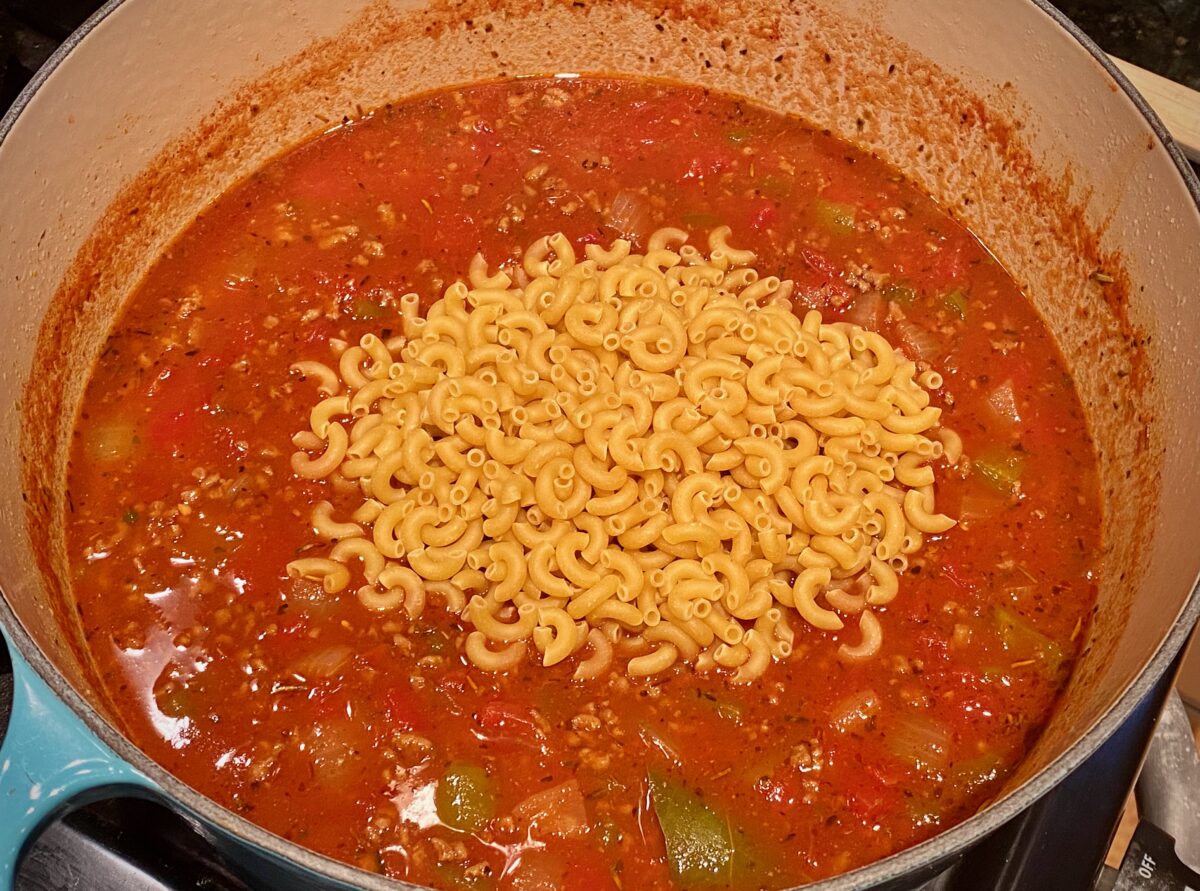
911	860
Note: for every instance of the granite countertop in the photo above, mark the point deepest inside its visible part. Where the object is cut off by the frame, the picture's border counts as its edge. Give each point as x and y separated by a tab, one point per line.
1160	35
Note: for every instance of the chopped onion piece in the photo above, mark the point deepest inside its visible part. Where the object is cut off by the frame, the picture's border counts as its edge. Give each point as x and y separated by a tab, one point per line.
1004	403
111	441
656	741
917	342
629	214
919	741
323	663
866	311
334	745
979	505
855	711
559	811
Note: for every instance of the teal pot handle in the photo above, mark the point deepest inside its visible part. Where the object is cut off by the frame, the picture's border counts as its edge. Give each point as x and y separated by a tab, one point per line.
49	762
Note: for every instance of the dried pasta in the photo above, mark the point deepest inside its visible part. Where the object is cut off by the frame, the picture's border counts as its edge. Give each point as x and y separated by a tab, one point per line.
648	458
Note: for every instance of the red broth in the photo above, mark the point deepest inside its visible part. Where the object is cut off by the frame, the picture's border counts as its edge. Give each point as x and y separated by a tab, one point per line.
368	737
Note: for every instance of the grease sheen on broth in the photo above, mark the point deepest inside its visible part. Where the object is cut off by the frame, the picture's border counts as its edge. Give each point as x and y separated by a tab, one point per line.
367	736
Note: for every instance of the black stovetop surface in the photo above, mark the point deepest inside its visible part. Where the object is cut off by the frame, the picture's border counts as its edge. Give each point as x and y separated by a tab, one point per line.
1058	845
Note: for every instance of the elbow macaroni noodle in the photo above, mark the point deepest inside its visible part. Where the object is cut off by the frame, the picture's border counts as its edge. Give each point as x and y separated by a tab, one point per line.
648	458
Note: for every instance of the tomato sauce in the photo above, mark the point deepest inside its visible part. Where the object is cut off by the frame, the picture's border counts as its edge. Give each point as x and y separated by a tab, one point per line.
368	737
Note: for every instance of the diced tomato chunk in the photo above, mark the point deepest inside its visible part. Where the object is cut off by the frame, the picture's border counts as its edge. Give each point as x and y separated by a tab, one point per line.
404	710
707	163
176	403
933	643
974	691
317	332
589	872
780	788
505	720
763	214
819	263
949	265
874	794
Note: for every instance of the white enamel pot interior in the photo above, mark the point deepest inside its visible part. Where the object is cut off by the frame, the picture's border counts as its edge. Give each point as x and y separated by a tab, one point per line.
998	109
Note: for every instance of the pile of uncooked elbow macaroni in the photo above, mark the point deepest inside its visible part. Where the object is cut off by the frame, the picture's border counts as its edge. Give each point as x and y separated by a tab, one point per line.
645	458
